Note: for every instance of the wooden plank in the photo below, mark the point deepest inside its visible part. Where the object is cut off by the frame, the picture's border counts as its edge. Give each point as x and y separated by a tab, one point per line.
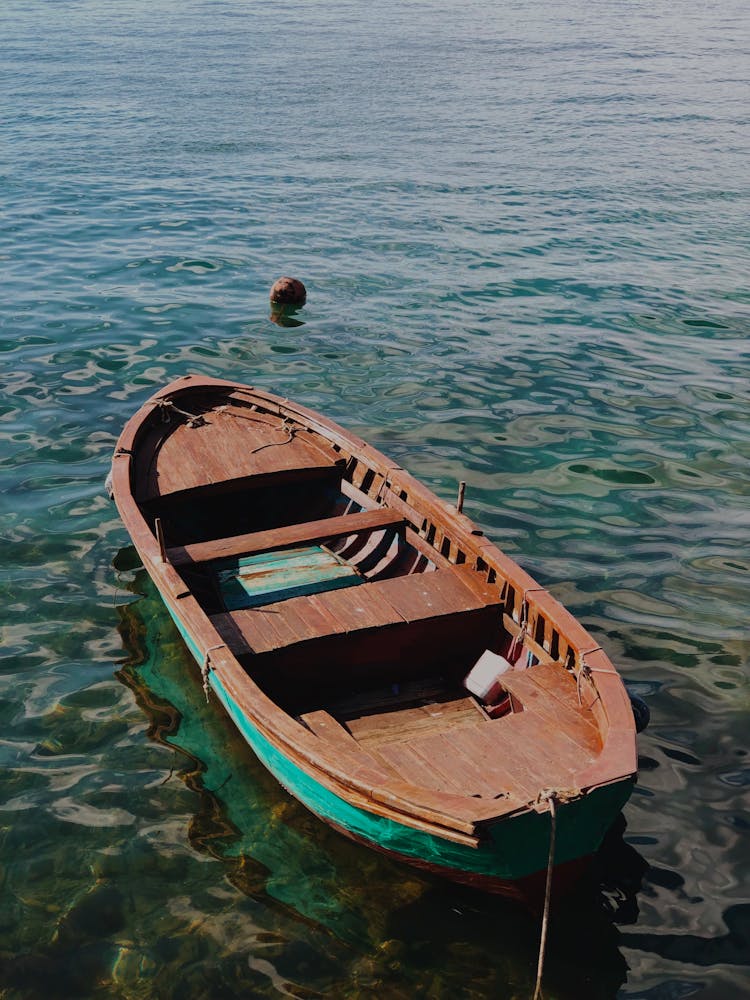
318	621
556	716
551	688
385	612
399	725
360	607
266	579
555	745
413	769
350	490
327	728
428	551
268	621
418	596
309	532
247	631
543	758
306	621
488	593
479	780
501	771
442	751
555	680
456	587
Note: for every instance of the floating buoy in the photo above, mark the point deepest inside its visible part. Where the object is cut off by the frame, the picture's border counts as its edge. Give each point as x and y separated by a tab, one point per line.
288	292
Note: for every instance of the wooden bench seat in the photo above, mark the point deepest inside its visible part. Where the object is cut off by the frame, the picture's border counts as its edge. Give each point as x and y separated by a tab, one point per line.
306	533
306	649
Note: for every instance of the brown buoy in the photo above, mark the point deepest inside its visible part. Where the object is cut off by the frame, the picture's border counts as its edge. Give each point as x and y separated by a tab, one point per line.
288	292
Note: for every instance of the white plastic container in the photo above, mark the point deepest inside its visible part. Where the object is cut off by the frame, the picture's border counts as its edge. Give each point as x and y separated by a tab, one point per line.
484	680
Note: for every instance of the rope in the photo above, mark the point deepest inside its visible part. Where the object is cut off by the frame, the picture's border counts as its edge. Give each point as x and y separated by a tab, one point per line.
167	406
584	674
549	797
517	644
196	420
205	667
277	444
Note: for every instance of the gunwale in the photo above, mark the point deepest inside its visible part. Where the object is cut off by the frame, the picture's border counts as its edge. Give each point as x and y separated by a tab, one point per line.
351	772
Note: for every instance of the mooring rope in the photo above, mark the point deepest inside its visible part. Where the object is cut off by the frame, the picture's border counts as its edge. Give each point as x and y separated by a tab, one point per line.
551	798
283	426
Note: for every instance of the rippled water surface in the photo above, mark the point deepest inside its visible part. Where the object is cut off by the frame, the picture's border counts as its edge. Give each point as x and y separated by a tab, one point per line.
524	231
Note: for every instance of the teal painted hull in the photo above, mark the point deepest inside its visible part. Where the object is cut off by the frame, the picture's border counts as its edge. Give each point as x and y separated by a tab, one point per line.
512	849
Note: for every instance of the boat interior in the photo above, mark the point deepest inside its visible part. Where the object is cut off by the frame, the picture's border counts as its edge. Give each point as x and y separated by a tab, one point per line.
350	620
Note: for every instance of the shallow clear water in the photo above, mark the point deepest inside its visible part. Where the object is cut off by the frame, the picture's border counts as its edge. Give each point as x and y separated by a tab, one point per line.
524	231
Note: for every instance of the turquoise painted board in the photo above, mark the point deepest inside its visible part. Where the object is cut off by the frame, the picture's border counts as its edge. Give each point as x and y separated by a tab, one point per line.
252	581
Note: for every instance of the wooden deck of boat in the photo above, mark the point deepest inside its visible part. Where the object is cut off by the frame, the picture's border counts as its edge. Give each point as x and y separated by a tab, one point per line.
448	744
231	444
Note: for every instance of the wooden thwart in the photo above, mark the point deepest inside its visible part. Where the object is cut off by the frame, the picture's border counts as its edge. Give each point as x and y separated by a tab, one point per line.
307	533
395	602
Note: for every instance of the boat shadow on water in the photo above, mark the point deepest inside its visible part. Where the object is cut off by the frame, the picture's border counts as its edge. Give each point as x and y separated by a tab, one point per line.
272	850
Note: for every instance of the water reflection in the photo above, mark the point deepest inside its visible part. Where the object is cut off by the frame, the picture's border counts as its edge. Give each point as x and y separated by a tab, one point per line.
381	921
283	315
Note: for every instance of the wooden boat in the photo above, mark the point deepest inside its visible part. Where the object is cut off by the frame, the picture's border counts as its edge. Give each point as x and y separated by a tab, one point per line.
336	608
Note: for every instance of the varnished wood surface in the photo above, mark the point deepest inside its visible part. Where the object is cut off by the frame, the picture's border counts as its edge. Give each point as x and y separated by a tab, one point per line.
548	692
230	443
448	745
402	726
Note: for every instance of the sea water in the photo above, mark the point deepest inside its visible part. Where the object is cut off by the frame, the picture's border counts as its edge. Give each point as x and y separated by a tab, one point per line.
524	233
